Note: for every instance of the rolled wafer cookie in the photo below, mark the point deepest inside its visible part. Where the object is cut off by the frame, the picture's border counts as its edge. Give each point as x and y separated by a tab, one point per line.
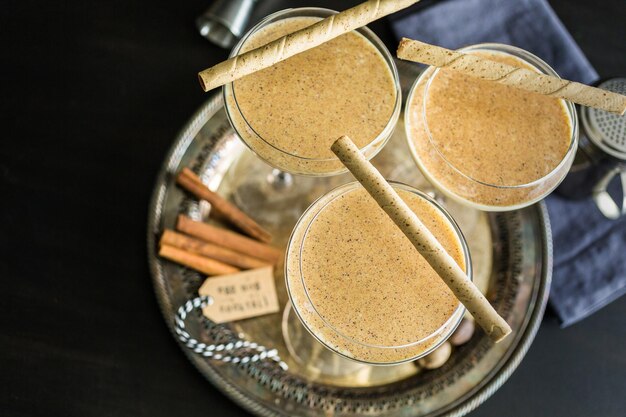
522	78
299	41
423	240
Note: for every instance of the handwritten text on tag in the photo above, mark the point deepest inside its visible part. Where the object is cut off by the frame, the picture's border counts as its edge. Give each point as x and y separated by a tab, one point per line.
240	296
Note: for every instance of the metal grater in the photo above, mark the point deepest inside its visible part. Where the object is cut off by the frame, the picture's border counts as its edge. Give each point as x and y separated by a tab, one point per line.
601	156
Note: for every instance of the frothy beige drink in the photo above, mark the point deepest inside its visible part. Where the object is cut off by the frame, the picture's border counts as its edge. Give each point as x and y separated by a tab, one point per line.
292	112
361	287
488	144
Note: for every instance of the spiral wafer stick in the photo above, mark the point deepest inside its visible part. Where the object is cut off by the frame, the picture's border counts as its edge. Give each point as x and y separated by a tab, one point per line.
422	239
522	78
299	41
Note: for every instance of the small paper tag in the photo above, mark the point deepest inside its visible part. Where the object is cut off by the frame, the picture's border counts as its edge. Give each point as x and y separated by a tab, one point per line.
240	296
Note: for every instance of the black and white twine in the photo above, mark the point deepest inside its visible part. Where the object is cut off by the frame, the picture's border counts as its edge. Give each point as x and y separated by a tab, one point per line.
236	352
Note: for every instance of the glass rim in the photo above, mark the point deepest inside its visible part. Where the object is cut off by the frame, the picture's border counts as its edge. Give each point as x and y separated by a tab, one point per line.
364	31
530	59
317	208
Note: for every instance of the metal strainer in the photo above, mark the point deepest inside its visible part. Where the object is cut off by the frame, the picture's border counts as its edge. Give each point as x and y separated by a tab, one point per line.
601	156
607	130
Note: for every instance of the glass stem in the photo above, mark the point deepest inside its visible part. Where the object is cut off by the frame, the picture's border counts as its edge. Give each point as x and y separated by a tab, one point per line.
280	180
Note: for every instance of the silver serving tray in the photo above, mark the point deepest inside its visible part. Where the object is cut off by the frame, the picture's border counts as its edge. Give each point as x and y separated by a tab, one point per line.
512	255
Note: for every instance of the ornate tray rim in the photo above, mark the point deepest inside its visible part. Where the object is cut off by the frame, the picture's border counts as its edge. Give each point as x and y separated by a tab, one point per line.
499	376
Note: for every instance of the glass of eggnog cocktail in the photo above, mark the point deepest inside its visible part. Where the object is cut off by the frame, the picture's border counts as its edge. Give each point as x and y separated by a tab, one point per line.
361	288
488	145
290	113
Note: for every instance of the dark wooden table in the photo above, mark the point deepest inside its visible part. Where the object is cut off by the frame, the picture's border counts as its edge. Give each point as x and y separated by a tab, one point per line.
93	95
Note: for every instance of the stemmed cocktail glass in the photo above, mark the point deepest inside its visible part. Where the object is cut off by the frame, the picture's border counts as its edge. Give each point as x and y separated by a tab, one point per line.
481	157
358	285
290	118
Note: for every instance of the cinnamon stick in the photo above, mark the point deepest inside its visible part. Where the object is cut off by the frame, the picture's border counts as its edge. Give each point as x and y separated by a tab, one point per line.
521	78
423	240
228	256
192	183
228	239
197	262
299	41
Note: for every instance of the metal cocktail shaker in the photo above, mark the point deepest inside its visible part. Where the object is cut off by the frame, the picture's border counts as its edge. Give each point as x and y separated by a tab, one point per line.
601	156
225	21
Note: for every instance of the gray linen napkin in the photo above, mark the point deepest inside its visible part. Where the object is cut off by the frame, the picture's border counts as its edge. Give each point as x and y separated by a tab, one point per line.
589	250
